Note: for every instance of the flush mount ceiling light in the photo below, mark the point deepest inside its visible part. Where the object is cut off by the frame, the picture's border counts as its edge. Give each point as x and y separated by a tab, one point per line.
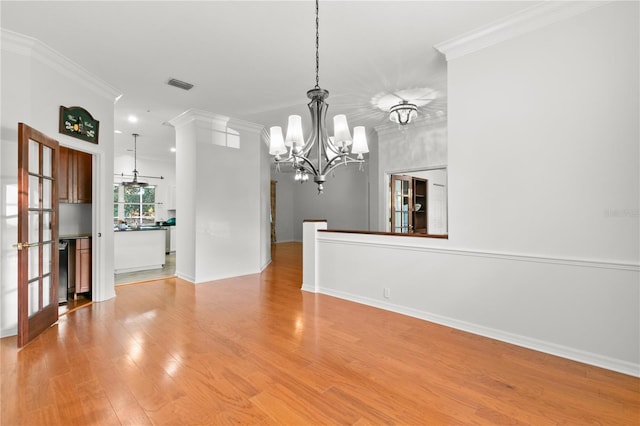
402	105
331	152
135	183
403	113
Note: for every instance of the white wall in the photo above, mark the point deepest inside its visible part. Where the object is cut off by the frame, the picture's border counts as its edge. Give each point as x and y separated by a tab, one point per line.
285	222
223	208
544	187
344	203
35	82
419	146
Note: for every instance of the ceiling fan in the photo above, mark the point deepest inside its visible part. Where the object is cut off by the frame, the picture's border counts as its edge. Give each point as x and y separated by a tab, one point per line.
135	183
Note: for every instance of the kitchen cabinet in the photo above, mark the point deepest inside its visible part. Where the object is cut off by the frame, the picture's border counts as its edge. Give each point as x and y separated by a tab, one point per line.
74	176
82	266
172	240
139	250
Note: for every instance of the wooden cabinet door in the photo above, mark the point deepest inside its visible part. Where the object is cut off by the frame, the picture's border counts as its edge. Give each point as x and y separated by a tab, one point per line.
83	265
74	182
64	177
82	177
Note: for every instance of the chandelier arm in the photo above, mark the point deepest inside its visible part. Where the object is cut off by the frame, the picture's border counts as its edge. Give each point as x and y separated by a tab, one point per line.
308	166
347	160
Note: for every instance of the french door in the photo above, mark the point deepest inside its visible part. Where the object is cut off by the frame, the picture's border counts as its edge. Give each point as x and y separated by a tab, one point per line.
37	233
401	204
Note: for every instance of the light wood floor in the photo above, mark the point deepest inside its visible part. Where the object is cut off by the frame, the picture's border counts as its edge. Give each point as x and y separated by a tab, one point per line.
258	350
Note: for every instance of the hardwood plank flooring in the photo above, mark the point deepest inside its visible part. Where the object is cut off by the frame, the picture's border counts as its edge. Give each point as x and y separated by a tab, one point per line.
258	350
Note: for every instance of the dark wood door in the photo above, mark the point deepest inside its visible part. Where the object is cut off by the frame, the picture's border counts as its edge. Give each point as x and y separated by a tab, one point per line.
420	205
37	246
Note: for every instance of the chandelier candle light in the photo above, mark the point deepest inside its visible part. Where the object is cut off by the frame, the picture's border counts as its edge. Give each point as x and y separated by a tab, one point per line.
331	151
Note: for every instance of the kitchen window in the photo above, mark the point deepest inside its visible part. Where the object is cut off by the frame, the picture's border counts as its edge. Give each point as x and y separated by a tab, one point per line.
134	205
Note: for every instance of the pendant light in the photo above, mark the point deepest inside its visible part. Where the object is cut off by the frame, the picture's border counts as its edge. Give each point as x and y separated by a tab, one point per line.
135	183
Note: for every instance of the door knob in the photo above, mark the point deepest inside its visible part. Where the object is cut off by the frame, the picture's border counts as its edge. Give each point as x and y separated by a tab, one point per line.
21	246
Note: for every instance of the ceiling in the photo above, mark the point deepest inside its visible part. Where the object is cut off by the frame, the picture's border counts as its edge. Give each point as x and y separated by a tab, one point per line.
253	61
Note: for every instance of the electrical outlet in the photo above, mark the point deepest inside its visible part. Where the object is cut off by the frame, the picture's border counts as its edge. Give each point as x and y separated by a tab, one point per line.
387	292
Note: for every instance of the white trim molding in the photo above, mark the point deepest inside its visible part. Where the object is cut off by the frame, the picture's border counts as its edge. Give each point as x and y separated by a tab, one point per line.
405	245
519	23
31	47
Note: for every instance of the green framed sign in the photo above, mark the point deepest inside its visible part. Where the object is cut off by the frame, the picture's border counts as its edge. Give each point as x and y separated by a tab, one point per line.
79	123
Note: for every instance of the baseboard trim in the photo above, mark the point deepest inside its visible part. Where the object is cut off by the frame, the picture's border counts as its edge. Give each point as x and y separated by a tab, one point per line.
185	277
573	354
309	288
13	331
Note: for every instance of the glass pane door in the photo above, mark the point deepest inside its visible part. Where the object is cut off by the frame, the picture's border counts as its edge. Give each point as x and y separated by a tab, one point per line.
37	233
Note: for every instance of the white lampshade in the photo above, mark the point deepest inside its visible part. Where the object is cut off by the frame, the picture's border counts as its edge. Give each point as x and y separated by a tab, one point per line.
294	132
359	141
341	135
276	142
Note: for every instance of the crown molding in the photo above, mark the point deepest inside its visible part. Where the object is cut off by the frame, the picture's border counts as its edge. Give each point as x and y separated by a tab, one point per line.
216	121
35	49
519	23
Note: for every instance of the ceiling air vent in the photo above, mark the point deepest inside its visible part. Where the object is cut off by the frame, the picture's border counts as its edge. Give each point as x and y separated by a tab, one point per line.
180	84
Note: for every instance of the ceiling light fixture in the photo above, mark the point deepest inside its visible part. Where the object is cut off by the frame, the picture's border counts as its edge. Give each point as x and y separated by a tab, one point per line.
135	183
403	113
331	152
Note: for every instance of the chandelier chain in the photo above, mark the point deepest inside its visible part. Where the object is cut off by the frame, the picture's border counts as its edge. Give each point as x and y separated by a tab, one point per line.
317	48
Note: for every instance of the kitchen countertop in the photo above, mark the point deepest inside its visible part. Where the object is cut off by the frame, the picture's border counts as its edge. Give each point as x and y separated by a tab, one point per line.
74	236
146	228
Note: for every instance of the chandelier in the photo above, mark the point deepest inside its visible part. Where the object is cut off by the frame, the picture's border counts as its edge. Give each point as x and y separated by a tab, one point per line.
330	151
403	113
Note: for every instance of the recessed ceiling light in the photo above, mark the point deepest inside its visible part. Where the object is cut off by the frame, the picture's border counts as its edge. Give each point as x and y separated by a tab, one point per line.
132	119
173	149
117	131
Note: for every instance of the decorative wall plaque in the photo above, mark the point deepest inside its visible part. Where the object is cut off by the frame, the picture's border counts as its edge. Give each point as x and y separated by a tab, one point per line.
79	123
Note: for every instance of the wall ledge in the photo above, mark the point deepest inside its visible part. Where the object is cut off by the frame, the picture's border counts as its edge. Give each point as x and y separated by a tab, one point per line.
396	242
